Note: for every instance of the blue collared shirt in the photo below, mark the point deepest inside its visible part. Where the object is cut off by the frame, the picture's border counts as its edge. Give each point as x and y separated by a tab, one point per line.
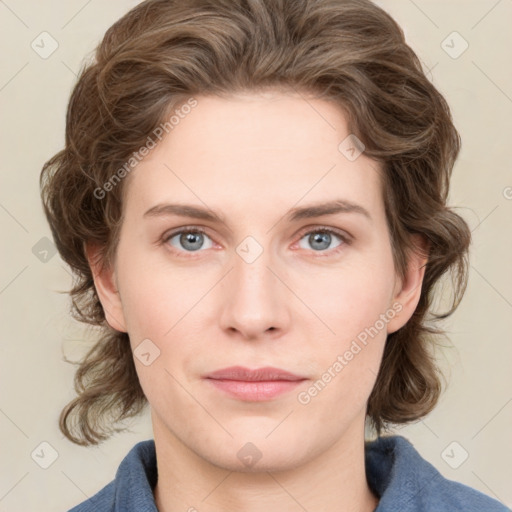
396	473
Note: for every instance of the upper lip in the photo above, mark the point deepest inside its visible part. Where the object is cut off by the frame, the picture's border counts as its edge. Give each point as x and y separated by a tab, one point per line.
259	374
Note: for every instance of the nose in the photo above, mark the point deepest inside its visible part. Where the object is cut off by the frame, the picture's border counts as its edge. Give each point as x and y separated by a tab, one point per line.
254	300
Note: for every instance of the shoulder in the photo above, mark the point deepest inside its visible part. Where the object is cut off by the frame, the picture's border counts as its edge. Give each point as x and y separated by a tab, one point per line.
132	488
405	481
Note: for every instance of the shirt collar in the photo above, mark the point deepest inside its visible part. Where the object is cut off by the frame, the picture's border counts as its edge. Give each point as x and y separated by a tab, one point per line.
397	474
136	478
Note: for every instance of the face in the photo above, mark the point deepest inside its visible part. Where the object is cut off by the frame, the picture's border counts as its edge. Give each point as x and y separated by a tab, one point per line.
264	280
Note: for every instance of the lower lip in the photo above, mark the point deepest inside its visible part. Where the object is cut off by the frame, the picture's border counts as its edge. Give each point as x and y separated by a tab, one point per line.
255	391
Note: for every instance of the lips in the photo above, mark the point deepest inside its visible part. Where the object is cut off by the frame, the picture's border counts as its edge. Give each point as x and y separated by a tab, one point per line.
260	385
240	373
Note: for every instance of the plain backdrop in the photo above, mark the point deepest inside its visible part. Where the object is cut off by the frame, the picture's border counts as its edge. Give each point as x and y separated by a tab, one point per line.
467	437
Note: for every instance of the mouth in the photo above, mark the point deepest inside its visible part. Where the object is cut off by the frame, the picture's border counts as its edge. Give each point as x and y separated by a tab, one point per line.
254	385
269	373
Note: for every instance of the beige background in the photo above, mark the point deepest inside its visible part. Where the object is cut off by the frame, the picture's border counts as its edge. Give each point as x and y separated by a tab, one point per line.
476	411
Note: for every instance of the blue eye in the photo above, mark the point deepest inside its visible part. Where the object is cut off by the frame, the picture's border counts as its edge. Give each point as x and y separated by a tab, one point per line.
191	240
321	239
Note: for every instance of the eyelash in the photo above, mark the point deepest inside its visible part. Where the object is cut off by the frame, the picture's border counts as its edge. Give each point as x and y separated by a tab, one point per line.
320	229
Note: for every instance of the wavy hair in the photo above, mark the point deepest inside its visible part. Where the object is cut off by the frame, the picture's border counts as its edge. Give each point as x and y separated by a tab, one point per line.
163	52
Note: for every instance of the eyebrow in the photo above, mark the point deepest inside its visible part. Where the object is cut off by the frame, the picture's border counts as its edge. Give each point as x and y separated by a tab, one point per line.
304	212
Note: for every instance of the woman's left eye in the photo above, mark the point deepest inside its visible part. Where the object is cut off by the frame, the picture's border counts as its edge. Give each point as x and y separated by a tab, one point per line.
321	239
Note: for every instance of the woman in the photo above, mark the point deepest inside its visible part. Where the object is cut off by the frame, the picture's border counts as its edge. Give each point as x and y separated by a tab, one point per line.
253	198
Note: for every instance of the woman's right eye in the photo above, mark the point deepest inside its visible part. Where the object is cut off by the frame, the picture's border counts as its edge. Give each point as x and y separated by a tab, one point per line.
188	240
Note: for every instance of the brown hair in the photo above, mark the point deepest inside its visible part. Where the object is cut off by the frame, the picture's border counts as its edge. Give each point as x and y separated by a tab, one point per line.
165	51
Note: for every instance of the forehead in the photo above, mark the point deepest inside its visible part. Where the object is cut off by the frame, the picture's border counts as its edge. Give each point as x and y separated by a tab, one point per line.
255	149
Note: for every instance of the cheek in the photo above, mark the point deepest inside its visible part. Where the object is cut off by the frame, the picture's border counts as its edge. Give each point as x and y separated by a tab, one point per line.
355	303
157	306
153	298
353	298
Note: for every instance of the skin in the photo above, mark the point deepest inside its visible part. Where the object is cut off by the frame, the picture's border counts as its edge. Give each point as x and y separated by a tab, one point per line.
253	157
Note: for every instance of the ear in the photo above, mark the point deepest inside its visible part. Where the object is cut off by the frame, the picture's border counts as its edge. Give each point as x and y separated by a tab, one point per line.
106	288
408	290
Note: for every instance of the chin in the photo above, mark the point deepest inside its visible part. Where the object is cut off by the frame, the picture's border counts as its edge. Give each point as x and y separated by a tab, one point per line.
253	454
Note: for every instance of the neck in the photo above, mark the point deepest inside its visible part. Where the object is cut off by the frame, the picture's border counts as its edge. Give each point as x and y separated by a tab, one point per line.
333	480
